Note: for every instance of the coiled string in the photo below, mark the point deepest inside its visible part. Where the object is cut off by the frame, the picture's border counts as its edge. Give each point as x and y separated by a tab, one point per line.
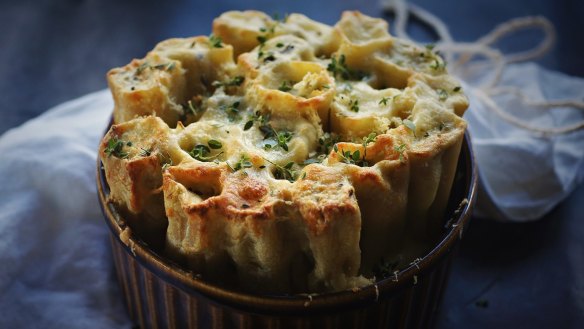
465	52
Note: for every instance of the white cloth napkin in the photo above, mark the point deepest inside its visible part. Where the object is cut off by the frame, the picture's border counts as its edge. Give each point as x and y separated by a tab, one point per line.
57	270
524	174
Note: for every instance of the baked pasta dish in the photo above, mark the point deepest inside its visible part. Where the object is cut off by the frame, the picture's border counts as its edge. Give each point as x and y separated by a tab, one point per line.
285	155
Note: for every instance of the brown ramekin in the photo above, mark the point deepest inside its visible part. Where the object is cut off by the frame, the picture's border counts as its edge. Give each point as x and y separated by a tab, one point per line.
160	294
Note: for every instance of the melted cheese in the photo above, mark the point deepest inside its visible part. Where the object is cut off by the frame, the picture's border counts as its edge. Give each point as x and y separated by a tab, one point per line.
235	158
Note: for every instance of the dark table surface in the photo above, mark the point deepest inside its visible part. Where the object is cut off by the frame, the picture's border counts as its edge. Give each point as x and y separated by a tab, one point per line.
507	276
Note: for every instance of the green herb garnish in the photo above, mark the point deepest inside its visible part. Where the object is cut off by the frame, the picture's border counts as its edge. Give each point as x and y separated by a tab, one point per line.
400	149
163	67
232	111
215	41
285	86
202	153
326	142
339	68
262	38
166	67
236	81
241	164
115	147
369	139
281	138
383	101
285	172
438	65
355	156
270	57
354	105
214	144
351	157
262	119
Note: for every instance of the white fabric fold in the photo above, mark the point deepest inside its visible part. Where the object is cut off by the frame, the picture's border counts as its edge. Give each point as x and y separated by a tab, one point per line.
57	269
526	173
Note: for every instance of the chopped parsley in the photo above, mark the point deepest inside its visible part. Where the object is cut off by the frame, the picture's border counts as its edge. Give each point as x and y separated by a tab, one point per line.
457	89
383	101
115	147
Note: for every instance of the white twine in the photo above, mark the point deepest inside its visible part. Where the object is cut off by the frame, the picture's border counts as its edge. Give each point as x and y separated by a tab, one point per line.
465	52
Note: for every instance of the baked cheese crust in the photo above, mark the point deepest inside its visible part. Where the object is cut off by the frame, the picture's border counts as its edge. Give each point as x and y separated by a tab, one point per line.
286	156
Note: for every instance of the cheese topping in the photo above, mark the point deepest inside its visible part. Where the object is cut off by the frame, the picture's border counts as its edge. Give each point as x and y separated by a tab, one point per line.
286	155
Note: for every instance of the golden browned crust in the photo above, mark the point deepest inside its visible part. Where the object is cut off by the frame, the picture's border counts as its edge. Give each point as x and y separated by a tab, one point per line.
323	151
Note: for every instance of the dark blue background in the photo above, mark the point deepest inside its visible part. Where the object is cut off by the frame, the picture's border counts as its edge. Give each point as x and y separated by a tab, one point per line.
524	275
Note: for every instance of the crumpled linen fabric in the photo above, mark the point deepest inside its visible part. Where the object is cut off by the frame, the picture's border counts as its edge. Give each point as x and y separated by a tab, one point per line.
524	174
57	269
